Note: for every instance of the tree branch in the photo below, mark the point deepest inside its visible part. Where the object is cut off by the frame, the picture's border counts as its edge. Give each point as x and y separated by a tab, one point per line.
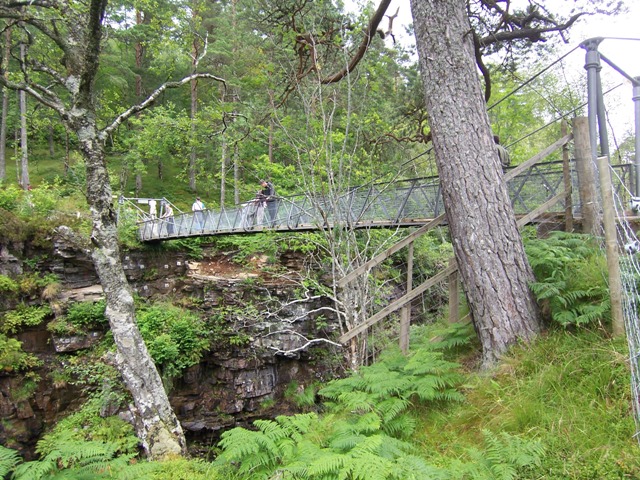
366	41
152	98
483	68
51	100
294	351
531	33
14	13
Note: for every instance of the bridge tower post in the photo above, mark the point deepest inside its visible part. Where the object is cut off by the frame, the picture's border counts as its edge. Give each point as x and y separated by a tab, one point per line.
585	169
636	103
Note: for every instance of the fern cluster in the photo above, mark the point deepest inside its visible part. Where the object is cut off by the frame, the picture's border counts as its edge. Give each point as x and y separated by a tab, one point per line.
70	458
570	272
366	430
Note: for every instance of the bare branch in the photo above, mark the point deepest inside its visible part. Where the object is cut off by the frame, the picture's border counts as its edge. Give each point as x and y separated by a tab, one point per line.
152	98
41	67
40	93
366	41
293	352
530	33
14	13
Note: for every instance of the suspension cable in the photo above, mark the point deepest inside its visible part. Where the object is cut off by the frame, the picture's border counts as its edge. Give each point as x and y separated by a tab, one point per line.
534	77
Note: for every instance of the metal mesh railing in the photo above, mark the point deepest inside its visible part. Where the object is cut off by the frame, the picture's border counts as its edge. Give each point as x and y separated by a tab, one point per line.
401	203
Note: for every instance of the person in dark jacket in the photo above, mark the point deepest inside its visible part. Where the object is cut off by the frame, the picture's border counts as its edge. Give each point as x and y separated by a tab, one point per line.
269	193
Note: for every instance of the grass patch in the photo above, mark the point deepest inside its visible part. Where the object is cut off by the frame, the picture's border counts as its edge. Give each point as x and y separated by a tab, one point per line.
570	391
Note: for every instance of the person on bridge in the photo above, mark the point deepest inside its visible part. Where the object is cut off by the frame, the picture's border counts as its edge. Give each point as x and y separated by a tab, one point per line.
167	216
503	154
269	193
198	213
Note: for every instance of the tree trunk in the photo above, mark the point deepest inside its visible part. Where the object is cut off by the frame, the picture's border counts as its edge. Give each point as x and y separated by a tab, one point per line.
52	148
5	106
67	153
138	78
236	173
24	157
194	111
494	268
158	427
223	170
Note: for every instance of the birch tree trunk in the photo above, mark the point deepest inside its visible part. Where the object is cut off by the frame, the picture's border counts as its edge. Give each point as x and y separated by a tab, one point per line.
494	268
158	428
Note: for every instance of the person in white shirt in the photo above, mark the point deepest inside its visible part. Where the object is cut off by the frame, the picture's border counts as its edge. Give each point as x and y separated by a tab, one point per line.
198	213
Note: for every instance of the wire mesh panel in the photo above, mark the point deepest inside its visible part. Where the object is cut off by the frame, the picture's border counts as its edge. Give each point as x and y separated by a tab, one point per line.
405	202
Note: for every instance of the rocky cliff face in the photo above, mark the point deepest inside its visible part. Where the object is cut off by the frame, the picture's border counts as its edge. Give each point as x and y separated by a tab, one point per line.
232	385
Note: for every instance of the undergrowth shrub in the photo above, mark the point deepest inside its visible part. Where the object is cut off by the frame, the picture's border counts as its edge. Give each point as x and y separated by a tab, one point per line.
10	197
128	229
8	286
571	274
73	459
175	337
24	316
80	318
13	358
87	314
246	246
89	424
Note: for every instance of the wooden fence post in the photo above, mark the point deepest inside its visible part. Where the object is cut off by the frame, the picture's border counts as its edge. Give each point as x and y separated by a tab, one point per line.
405	315
586	176
611	243
568	190
454	294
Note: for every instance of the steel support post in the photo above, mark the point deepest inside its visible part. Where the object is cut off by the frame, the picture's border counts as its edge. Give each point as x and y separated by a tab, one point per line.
593	67
636	101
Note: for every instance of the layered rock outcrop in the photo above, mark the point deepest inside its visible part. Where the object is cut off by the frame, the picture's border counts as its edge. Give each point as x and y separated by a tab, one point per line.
275	347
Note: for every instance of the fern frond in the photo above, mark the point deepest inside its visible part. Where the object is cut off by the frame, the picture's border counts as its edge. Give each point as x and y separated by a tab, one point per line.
410	467
345	441
367	423
392	407
401	426
371	467
237	444
327	464
9	460
357	401
35	470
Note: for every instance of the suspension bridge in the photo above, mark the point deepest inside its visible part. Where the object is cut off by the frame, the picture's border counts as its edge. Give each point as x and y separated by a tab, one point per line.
534	184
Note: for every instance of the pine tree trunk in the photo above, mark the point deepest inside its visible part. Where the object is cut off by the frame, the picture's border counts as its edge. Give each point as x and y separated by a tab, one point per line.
24	157
487	244
223	169
236	173
194	111
5	106
52	148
